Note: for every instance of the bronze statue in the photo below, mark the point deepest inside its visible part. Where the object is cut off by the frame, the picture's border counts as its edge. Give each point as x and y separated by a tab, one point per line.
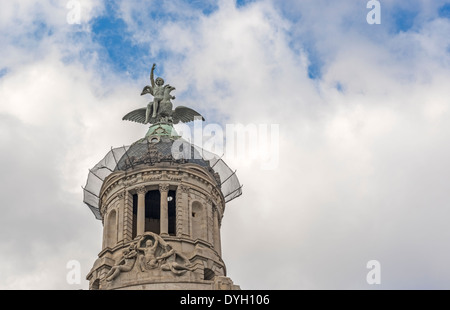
160	110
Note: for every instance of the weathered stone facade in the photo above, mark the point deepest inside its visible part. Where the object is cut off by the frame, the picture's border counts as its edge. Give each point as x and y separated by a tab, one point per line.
161	205
161	229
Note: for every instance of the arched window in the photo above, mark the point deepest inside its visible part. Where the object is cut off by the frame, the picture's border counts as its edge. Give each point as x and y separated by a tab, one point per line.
111	229
198	221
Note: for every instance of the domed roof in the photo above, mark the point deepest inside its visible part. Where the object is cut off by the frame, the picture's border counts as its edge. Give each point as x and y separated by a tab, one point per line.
152	150
161	145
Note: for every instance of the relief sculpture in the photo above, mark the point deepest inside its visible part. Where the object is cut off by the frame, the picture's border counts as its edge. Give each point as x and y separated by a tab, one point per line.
151	252
154	253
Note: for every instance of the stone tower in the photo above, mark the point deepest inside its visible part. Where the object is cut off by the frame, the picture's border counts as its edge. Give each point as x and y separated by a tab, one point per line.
161	203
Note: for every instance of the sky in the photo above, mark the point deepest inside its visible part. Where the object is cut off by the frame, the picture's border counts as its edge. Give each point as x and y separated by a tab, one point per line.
362	111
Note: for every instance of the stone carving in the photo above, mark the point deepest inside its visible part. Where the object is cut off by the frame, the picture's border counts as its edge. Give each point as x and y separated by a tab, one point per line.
121	194
156	177
184	189
130	181
164	187
174	178
154	252
125	264
103	206
151	252
141	190
148	260
175	262
180	219
160	109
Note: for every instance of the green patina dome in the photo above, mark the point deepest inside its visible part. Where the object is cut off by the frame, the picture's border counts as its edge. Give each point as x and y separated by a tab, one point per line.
162	129
162	144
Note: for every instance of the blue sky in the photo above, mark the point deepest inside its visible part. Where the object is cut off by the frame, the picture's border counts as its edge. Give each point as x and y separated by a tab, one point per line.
363	112
128	55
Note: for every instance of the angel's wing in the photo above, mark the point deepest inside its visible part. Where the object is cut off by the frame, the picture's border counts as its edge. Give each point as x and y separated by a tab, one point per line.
147	90
137	116
185	115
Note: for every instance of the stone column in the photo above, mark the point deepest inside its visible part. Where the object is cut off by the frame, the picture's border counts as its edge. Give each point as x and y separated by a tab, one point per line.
140	229
209	221
128	217
105	231
120	216
183	211
216	230
164	213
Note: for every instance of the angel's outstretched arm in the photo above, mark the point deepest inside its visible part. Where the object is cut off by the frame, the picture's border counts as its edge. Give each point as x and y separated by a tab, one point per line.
152	77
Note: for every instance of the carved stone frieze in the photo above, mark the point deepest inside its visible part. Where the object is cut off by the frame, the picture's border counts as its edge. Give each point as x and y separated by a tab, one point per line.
151	252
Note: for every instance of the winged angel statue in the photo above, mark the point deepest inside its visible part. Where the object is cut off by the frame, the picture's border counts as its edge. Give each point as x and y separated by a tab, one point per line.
160	109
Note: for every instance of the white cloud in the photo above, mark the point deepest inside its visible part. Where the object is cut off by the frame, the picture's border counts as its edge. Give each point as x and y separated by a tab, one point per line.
363	170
